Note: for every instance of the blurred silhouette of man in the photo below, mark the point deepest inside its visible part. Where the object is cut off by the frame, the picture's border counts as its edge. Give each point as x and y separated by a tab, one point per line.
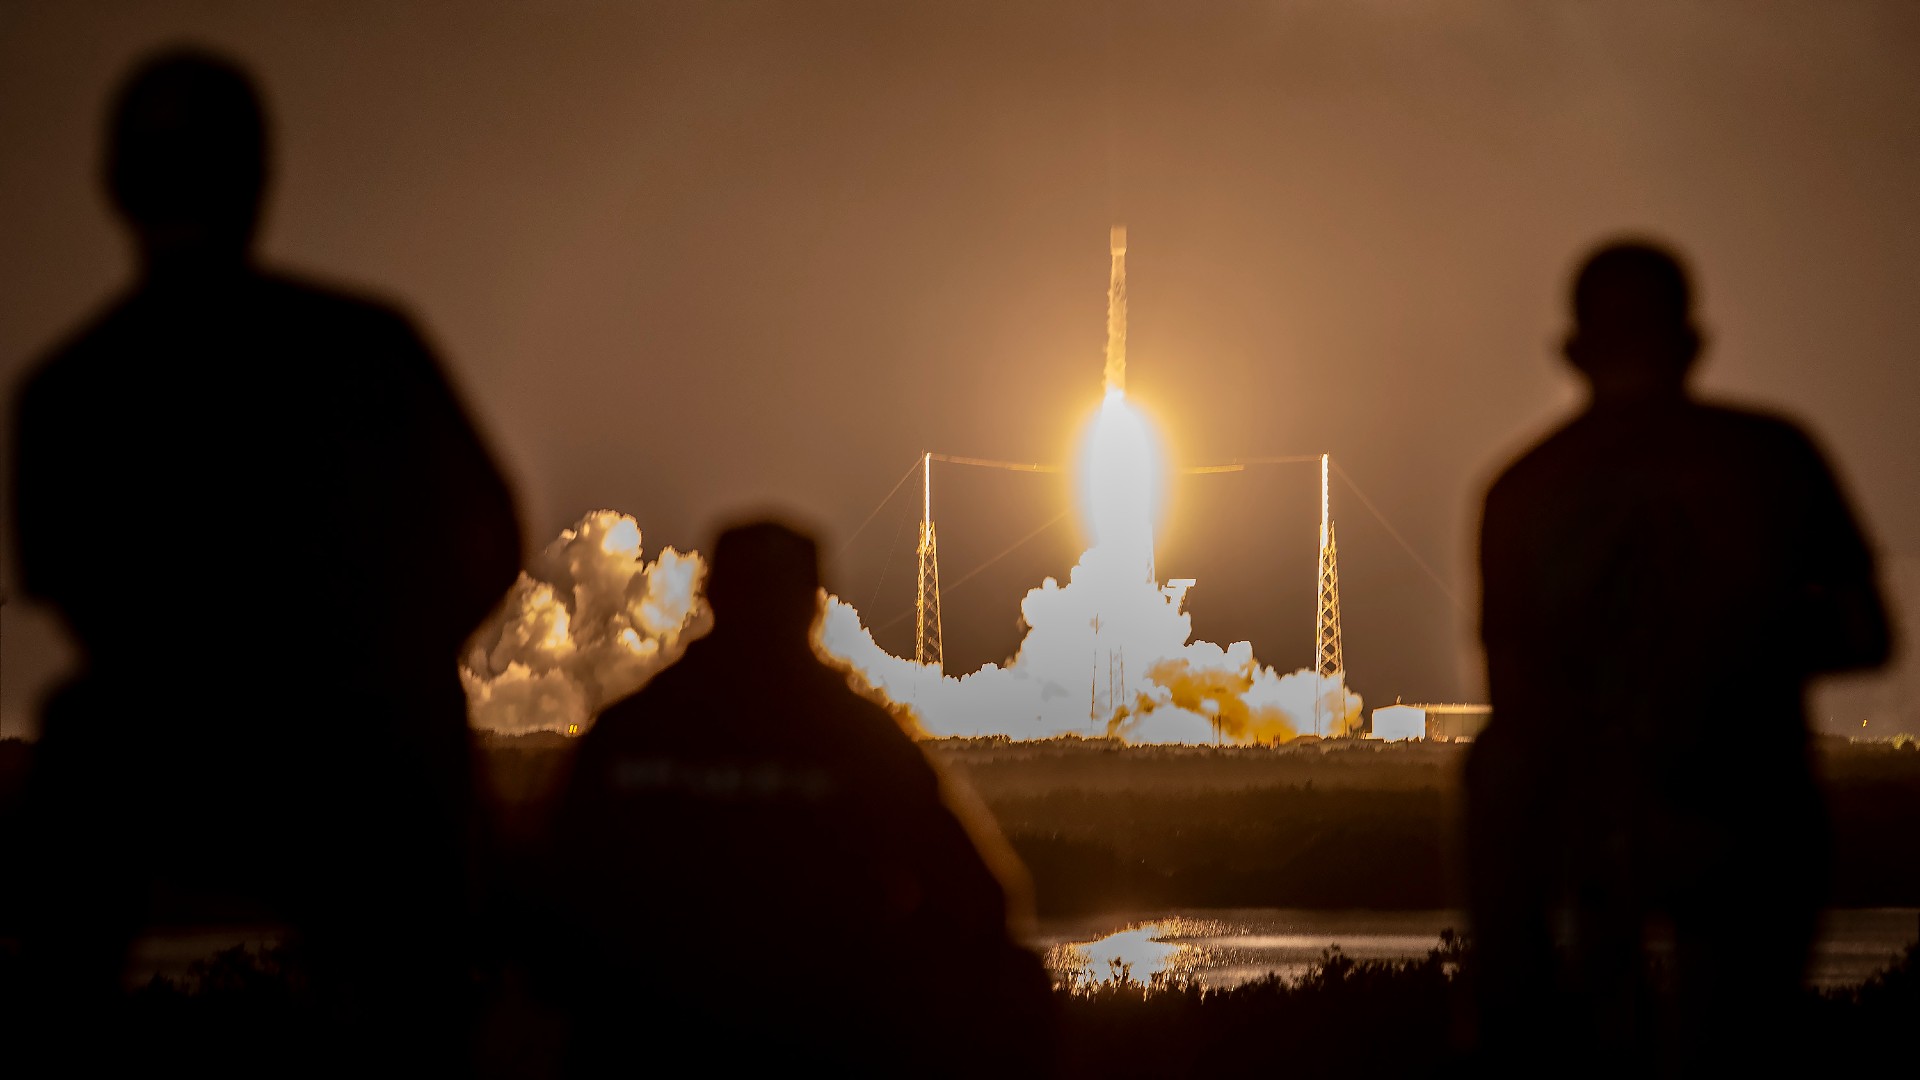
758	870
269	526
1661	578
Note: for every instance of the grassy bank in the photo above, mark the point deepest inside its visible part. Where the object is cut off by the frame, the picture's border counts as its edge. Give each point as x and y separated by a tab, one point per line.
1337	824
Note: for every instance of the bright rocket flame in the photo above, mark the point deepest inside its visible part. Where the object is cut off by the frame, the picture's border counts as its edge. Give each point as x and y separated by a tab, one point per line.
1129	614
1120	471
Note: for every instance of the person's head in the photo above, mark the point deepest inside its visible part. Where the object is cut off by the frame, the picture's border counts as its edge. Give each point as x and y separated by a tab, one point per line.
765	583
186	157
1633	335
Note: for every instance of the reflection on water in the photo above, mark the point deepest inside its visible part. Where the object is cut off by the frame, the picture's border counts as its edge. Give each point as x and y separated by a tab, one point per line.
1219	949
1214	949
1140	953
1225	948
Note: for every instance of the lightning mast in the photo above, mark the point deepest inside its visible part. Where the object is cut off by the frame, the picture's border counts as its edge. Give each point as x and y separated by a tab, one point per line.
1329	665
926	606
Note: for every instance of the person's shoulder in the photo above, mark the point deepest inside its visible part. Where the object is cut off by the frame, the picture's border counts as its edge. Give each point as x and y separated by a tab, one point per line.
833	678
71	361
1759	434
1754	421
370	341
329	302
1541	462
635	716
662	712
872	728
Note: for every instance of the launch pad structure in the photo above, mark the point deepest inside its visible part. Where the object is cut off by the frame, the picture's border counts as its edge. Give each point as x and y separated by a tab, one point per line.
1329	659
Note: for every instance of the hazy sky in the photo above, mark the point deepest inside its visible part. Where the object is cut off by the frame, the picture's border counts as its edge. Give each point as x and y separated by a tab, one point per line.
687	258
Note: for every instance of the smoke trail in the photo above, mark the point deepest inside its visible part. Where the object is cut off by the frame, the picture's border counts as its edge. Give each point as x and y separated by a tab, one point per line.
1116	373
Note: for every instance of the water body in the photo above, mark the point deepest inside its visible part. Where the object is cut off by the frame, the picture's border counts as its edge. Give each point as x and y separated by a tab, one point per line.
1217	948
1222	948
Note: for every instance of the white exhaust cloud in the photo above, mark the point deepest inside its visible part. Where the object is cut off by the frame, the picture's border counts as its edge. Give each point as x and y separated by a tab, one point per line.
584	626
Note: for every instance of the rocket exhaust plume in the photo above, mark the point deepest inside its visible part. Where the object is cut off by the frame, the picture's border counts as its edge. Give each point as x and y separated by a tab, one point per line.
1120	463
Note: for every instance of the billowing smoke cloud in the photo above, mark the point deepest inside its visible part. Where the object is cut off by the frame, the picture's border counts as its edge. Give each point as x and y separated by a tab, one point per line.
1107	653
1155	686
585	625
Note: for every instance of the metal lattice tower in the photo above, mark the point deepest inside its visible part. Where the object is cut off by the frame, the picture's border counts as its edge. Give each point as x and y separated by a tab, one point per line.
926	605
1329	664
1327	629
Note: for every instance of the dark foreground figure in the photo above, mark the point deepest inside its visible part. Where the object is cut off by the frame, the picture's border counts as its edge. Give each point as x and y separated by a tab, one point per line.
269	527
1662	576
748	808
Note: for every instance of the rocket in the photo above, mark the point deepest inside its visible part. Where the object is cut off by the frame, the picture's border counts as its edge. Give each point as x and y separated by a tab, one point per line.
1117	313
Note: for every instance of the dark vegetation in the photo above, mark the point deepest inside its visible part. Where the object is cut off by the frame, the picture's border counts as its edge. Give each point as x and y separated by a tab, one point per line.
1093	851
1378	1018
1341	1018
1109	827
1338	824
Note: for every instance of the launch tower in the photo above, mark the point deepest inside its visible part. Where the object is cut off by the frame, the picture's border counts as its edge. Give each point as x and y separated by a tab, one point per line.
926	605
1329	665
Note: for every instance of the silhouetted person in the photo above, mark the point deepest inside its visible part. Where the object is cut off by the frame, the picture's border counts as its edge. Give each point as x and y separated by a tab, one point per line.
1661	578
759	873
269	526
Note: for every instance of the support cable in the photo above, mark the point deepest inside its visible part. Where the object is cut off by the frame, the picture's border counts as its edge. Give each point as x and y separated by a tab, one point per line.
904	477
887	566
1232	466
1240	464
1008	550
1438	581
971	574
995	463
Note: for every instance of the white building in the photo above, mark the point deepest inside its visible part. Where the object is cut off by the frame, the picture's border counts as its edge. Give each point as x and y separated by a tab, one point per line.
1439	723
1395	722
